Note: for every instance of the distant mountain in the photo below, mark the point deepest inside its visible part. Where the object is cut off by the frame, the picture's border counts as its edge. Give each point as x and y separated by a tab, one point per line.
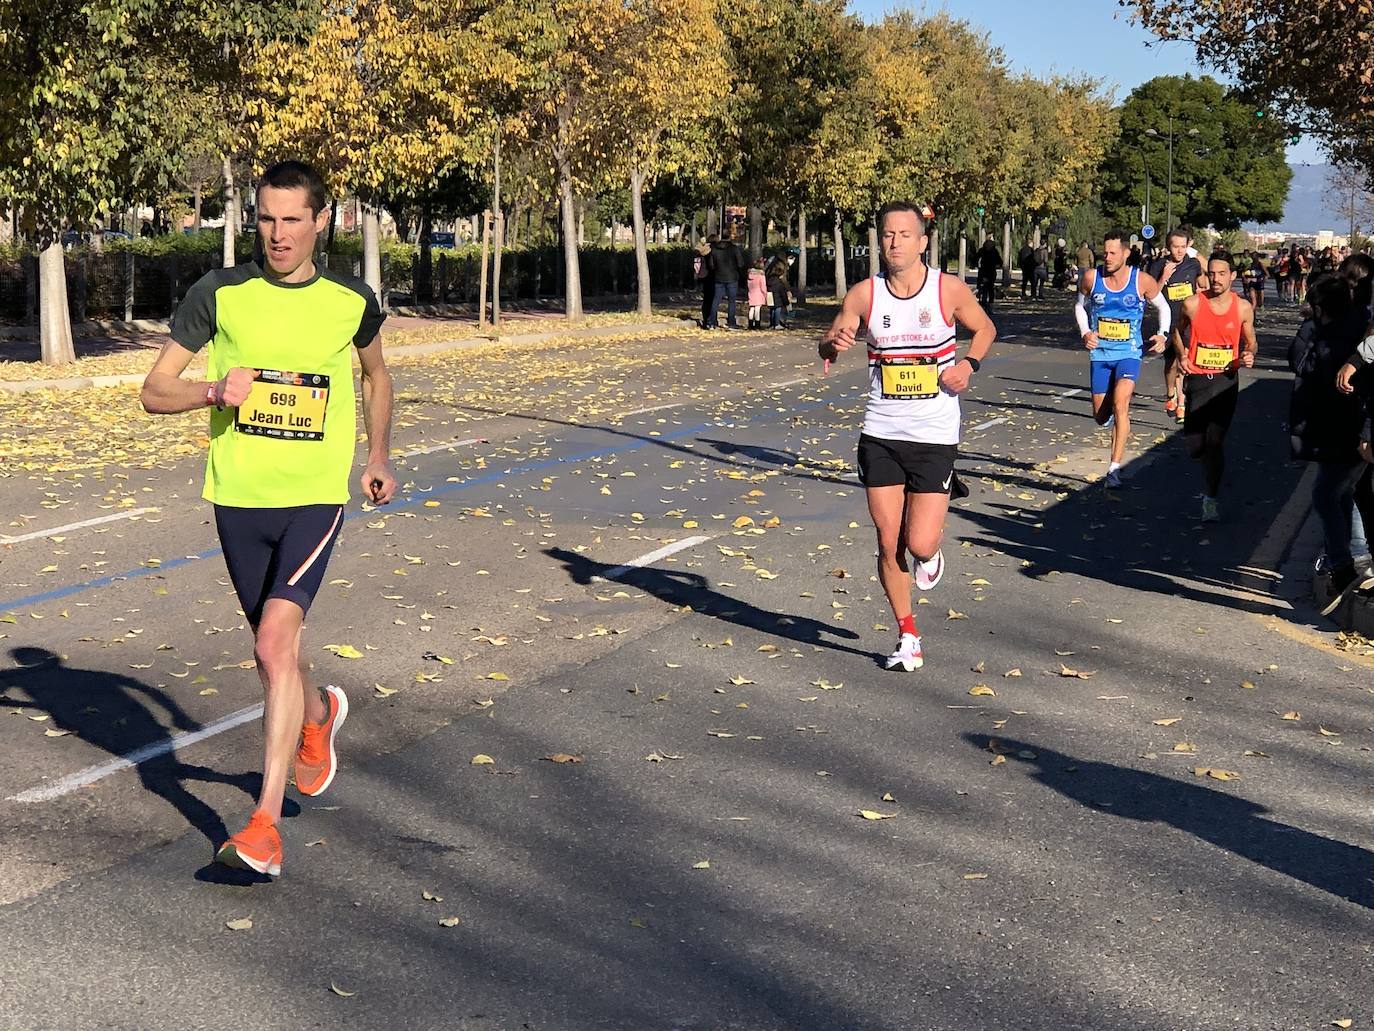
1309	209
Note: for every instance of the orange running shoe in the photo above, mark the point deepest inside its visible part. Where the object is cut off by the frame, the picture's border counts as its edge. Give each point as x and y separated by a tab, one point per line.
316	760
257	847
1171	406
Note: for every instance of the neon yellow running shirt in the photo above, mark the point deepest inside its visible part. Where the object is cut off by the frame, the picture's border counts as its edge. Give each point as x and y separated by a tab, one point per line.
292	441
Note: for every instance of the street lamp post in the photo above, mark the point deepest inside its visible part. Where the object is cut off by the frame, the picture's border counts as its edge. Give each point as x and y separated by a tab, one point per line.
1169	202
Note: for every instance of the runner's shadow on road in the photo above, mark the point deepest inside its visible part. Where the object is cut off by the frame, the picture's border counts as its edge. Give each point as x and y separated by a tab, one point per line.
1115	537
764	459
682	588
1224	820
114	713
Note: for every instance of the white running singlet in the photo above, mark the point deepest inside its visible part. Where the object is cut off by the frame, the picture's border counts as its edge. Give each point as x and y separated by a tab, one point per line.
910	341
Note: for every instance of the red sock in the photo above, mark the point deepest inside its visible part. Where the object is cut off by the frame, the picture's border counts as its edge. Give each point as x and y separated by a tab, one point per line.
907	625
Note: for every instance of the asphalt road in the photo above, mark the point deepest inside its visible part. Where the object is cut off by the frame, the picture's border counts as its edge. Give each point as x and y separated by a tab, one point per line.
1049	854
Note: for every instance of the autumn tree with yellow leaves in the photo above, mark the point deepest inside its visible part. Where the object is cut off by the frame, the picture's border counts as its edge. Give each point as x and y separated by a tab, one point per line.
384	94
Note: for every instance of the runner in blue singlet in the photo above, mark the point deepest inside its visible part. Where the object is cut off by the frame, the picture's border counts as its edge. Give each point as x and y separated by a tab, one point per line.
1111	304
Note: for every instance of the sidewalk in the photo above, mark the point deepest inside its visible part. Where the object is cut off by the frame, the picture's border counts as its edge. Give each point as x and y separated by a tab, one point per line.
537	327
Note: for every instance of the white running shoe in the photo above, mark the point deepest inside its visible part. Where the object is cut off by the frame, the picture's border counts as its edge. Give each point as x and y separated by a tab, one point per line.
928	573
908	654
1113	480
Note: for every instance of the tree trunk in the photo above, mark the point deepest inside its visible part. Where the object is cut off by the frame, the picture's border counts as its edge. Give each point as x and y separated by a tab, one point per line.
482	282
615	231
55	322
1036	242
963	257
641	247
581	223
497	248
197	198
713	220
875	264
500	233
333	218
424	285
572	290
1007	256
372	252
801	256
755	232
934	258
231	217
841	286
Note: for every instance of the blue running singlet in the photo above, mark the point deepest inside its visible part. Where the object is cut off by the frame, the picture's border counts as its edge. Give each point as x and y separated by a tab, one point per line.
1115	317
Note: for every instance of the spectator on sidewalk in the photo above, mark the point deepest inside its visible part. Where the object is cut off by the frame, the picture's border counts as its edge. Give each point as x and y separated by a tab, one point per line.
1086	259
779	294
757	286
726	263
1061	265
1025	261
1040	271
1325	424
989	265
702	268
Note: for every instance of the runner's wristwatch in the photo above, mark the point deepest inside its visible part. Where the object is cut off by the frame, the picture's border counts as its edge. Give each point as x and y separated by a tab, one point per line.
974	363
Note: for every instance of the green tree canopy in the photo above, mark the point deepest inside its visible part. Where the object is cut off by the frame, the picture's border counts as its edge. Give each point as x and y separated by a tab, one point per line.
1228	165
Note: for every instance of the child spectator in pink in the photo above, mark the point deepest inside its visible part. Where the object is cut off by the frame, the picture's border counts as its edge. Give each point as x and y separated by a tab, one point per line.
758	294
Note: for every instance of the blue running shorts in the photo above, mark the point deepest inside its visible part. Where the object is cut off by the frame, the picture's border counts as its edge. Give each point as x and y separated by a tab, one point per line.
1105	374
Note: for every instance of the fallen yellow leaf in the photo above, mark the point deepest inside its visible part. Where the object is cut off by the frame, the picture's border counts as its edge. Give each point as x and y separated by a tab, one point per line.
482	759
872	814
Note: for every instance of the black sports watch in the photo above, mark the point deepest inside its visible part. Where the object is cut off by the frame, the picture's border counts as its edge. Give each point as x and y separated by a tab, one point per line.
974	362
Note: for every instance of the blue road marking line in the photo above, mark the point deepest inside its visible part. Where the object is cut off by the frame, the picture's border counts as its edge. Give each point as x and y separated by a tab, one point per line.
417	499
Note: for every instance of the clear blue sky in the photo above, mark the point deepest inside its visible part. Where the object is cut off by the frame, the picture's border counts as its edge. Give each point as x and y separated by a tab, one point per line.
1093	37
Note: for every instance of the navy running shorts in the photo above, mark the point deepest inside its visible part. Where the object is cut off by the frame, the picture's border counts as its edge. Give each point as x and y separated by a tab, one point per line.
277	552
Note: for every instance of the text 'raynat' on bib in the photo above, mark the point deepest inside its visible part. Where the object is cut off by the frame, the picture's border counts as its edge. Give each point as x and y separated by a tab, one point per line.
1113	329
1179	291
286	405
910	379
1214	359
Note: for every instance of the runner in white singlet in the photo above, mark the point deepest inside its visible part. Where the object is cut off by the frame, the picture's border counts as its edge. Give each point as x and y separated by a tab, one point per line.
910	437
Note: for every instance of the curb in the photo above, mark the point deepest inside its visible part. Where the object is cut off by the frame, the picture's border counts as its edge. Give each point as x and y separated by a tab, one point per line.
405	350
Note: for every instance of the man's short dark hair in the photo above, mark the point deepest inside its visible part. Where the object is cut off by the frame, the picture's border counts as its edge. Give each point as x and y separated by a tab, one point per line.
291	175
1180	232
1118	235
1222	255
893	206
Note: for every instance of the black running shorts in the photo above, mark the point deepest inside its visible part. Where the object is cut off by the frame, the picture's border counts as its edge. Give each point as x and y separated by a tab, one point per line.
1211	401
277	552
921	468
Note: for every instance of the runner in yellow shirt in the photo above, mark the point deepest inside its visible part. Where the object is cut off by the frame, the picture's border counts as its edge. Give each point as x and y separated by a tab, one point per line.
280	336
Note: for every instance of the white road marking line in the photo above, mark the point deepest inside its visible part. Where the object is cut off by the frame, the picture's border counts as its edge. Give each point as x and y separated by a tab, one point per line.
1012	337
1072	393
990	422
442	447
75	526
653	556
789	383
65	786
655	408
